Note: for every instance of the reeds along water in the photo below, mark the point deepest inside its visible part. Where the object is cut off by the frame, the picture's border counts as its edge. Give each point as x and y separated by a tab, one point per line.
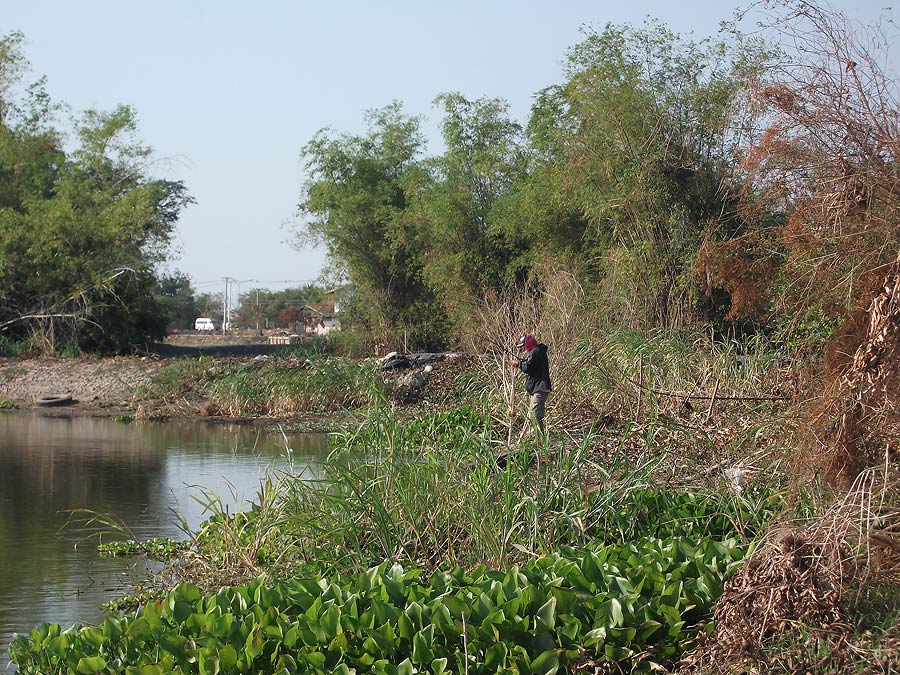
430	493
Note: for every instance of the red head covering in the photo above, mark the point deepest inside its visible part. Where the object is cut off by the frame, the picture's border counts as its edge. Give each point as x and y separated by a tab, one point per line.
527	342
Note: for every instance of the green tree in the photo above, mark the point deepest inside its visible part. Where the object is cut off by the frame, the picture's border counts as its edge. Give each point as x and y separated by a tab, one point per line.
264	305
175	296
463	211
209	305
356	201
80	233
633	155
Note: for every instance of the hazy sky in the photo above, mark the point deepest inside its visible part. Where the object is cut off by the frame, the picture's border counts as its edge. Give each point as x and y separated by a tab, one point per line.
227	93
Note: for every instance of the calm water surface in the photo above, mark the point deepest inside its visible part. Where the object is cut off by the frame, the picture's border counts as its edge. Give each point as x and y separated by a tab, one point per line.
143	473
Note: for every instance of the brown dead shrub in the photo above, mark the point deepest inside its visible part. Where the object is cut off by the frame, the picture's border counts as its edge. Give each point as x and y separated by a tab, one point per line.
791	604
854	421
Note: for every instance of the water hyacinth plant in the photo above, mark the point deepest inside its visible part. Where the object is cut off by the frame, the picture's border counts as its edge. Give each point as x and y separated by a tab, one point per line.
638	602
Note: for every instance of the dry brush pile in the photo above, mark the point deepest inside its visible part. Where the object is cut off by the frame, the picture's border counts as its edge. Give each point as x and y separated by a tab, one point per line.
827	157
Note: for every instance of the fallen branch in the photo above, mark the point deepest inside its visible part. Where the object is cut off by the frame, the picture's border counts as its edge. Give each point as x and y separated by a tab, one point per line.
717	397
32	317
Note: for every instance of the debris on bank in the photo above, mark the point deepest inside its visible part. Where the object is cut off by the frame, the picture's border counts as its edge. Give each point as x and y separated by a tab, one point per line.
407	377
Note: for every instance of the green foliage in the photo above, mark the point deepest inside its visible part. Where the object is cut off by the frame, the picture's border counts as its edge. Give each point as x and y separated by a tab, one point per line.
157	548
606	603
178	377
262	306
631	153
431	492
467	245
317	346
623	170
176	300
12	348
356	198
80	232
288	387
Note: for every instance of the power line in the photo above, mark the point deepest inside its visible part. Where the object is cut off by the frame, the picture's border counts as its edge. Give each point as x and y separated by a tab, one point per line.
259	281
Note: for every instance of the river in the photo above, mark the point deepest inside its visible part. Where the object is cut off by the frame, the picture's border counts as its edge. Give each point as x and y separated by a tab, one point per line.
150	476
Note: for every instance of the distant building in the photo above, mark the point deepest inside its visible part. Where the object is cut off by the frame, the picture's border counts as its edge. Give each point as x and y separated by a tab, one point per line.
319	318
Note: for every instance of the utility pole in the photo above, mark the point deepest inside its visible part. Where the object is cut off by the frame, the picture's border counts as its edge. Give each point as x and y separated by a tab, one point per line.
257	311
225	305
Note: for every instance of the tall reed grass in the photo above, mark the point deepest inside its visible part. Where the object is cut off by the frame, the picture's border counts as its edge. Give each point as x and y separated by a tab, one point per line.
435	492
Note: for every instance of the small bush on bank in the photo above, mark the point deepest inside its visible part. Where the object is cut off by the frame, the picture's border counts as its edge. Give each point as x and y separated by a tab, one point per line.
289	386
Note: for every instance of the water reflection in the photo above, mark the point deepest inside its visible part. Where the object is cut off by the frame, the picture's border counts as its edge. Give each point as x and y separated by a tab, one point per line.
143	473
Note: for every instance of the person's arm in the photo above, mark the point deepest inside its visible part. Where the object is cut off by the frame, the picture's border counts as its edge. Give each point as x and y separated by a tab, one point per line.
526	365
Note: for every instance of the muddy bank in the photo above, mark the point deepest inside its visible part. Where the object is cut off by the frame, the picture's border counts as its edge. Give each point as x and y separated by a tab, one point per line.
95	383
112	386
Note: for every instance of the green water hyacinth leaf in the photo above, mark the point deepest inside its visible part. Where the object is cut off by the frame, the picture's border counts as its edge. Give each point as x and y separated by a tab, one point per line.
208	662
612	609
291	636
58	645
547	613
173	643
112	628
315	659
253	647
89	665
422	652
144	670
228	657
181	611
405	627
545	664
93	636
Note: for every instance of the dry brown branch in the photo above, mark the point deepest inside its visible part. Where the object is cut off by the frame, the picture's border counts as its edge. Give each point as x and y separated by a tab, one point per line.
801	583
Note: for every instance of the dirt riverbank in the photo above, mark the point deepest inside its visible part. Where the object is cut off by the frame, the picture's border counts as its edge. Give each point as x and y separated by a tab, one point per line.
94	383
111	386
104	384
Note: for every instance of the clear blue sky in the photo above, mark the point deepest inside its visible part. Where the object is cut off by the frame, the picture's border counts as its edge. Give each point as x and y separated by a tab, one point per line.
227	92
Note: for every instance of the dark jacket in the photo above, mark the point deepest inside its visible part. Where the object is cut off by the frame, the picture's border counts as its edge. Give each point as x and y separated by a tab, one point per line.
536	369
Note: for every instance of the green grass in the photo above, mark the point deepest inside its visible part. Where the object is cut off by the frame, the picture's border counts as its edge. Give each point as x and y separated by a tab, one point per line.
278	386
291	386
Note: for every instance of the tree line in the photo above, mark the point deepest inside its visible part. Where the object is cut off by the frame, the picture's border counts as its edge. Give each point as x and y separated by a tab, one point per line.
730	183
84	227
83	223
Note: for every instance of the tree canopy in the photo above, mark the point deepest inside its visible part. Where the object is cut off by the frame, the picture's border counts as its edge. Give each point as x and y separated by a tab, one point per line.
81	230
618	177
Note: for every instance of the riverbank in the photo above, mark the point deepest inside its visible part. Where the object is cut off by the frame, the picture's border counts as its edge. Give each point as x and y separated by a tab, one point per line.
254	384
118	384
99	385
645	435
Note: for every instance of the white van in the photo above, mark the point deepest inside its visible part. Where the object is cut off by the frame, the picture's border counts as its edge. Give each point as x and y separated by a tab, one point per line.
205	323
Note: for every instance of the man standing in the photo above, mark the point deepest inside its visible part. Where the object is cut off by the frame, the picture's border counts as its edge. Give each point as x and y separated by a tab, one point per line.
537	375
